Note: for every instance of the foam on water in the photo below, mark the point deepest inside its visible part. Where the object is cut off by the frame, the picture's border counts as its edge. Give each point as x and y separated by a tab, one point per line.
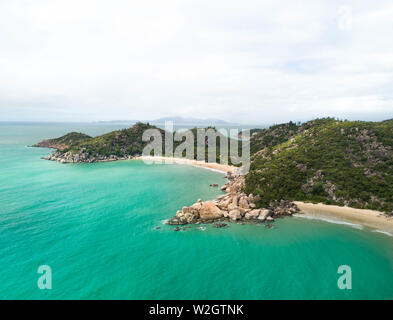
383	232
352	225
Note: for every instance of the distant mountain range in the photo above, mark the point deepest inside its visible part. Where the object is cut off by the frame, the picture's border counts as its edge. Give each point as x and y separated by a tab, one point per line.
191	121
176	121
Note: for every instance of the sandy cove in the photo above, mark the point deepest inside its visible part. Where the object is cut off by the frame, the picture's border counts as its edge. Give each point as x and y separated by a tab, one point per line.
212	166
368	218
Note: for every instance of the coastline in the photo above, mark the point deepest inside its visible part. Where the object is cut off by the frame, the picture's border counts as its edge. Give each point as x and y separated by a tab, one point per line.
375	220
202	164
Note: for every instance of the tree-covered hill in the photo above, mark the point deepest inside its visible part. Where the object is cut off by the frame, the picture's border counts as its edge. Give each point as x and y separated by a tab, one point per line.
125	143
329	161
64	141
276	134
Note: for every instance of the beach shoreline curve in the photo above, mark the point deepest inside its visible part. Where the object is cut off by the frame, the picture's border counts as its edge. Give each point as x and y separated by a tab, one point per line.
371	219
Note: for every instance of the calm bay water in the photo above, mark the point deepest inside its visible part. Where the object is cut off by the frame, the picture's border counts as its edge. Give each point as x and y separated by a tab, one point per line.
94	225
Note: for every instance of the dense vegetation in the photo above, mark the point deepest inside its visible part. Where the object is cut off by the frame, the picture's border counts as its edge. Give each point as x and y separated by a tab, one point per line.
274	135
325	160
117	143
64	141
72	137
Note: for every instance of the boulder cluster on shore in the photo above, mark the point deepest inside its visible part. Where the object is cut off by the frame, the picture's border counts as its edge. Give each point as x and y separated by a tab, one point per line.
69	157
235	206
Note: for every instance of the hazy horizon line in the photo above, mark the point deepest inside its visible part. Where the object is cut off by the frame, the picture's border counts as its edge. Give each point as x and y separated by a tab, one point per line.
190	123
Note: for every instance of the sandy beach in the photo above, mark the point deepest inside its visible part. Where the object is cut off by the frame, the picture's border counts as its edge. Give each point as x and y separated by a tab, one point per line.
372	219
368	218
211	166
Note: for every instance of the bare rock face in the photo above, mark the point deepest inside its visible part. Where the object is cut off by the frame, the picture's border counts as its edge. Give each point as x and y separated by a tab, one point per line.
235	215
191	210
264	214
252	215
209	211
197	206
231	207
82	156
191	218
283	208
224	203
184	217
243	203
237	184
235	200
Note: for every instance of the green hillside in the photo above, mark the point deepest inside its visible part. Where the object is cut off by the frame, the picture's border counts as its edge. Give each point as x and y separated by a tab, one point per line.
329	161
118	143
277	134
64	141
128	142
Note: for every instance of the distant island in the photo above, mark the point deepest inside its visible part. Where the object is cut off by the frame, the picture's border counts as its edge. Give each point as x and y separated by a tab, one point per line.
328	161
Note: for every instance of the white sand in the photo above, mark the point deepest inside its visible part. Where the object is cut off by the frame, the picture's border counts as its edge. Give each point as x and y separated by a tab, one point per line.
368	218
211	166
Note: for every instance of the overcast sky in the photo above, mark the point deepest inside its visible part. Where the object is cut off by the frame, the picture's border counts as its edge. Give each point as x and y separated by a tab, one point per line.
248	61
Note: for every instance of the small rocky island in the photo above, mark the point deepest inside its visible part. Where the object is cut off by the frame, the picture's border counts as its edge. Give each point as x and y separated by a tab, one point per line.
235	206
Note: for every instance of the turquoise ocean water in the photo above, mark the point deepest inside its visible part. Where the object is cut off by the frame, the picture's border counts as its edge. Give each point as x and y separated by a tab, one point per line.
94	225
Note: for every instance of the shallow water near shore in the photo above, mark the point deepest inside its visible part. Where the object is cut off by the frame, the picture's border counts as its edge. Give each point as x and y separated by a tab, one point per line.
95	226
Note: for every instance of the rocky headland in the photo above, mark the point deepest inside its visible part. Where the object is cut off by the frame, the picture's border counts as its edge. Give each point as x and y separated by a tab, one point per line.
80	157
48	143
234	206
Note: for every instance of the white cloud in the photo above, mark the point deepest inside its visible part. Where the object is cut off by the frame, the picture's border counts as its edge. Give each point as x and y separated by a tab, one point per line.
250	61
